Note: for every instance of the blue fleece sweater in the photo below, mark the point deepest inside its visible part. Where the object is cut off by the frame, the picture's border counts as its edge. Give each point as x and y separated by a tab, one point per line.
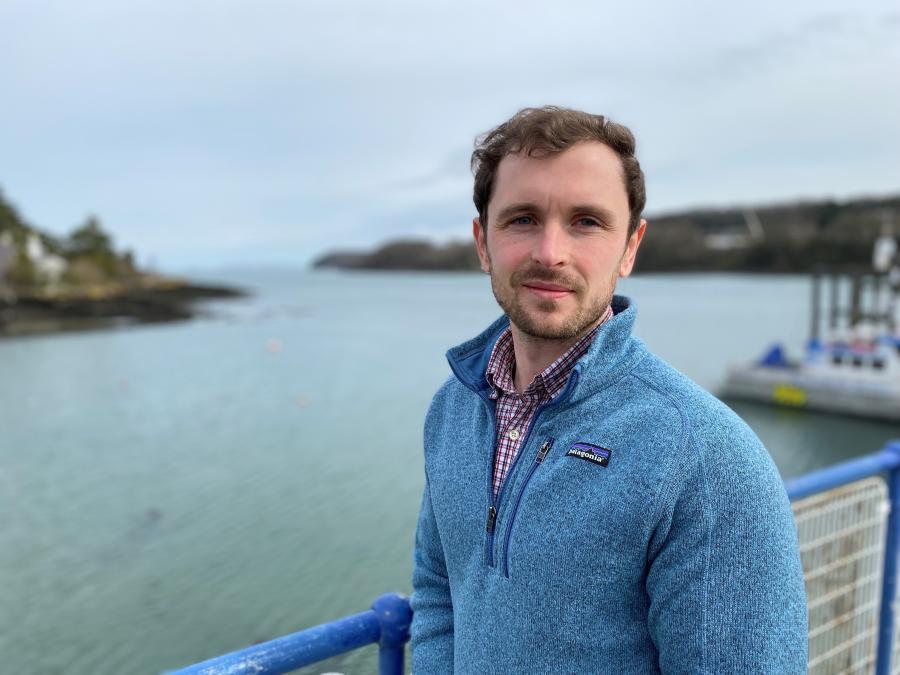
641	529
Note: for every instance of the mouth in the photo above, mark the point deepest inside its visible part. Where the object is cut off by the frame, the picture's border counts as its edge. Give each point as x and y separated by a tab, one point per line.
546	290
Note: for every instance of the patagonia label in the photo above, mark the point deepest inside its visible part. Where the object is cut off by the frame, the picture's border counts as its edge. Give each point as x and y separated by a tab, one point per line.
592	453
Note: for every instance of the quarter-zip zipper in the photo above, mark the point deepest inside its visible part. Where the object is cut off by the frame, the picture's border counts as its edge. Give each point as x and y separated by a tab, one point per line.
539	458
492	507
495	500
492	501
492	518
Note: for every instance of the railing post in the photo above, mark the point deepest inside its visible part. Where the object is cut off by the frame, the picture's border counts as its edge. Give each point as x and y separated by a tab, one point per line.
395	615
889	583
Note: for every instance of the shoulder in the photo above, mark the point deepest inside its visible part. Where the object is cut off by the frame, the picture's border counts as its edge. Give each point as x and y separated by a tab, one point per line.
719	476
709	425
718	455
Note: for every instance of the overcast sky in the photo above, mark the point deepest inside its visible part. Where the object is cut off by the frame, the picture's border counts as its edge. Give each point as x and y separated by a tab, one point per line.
216	132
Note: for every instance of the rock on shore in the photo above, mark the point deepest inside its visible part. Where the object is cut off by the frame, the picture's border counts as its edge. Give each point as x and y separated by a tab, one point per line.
47	312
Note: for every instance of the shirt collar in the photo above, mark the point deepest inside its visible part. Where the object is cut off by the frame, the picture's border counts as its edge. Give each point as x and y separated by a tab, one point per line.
548	382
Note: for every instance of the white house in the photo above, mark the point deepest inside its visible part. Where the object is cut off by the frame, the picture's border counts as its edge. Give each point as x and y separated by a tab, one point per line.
48	265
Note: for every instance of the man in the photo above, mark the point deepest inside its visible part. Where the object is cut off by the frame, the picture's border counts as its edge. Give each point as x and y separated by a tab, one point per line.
587	508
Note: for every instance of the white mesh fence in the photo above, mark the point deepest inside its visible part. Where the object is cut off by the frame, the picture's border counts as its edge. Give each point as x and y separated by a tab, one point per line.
841	534
895	656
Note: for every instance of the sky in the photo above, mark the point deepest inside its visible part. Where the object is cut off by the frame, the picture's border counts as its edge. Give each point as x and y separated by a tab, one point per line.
210	132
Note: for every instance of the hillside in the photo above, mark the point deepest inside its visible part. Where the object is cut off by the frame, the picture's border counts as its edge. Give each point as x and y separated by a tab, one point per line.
50	283
782	238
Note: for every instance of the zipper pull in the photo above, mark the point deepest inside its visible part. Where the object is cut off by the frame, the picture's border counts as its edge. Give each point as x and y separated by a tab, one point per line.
545	448
492	518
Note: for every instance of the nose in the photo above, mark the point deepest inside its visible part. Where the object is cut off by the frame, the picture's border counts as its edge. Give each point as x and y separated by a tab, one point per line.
551	246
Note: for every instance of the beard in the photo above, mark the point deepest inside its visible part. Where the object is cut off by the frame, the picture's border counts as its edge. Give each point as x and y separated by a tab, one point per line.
539	322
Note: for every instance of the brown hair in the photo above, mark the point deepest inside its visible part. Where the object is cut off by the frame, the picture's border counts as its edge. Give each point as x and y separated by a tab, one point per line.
548	130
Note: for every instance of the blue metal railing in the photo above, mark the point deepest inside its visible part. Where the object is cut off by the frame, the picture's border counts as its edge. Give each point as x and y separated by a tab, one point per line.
387	623
886	460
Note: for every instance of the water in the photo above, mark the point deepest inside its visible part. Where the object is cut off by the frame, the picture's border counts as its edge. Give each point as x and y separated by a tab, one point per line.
172	492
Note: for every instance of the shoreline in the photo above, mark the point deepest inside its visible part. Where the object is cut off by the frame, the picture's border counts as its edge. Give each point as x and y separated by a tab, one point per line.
40	312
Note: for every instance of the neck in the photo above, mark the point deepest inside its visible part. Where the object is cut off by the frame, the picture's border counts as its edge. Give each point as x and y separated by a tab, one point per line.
534	354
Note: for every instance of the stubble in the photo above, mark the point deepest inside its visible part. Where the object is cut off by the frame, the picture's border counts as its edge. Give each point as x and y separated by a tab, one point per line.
537	320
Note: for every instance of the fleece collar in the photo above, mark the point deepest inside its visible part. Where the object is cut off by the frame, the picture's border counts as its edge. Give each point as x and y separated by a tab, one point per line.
613	353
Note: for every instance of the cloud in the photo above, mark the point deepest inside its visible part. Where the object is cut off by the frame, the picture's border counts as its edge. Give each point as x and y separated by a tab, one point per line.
454	166
280	128
817	40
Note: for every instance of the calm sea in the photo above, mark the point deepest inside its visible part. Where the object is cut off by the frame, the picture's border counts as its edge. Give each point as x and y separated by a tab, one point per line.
172	492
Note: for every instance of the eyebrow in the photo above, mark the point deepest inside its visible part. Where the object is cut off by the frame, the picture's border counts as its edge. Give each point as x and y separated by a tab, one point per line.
601	212
507	211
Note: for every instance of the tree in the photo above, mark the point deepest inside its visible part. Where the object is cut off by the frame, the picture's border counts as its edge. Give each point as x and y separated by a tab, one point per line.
90	239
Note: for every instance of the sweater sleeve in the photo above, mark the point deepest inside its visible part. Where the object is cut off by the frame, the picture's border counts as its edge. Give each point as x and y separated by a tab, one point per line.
432	625
724	580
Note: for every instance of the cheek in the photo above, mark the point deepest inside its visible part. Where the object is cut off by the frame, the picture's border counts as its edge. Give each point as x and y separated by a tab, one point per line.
505	257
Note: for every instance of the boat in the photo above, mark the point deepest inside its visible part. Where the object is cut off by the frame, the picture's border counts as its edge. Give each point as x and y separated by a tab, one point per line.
851	364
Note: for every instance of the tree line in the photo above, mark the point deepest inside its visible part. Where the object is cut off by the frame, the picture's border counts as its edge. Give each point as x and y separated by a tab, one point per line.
784	238
87	255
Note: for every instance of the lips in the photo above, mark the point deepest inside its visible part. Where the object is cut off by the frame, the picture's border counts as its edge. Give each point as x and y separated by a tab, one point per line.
541	285
544	289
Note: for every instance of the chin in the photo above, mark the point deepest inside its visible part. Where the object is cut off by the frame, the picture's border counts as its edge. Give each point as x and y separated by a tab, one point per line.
544	329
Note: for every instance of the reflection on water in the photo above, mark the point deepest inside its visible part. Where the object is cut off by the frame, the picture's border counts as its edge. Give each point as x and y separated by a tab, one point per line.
801	441
175	491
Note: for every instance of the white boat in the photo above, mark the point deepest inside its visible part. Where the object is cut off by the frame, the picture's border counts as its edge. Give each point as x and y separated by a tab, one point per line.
856	369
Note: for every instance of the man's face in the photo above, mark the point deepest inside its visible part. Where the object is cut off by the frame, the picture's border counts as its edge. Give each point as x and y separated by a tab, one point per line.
557	239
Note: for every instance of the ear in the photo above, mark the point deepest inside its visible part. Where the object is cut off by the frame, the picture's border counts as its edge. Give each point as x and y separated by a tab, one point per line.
631	248
481	245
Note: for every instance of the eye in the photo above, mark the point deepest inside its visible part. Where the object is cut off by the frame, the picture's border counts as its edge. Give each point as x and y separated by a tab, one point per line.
521	220
588	222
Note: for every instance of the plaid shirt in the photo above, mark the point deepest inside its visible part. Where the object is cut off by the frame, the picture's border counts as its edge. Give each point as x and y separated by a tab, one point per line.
515	411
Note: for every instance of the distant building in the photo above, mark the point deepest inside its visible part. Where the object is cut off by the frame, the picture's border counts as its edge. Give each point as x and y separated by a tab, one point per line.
725	241
7	257
7	254
49	266
737	238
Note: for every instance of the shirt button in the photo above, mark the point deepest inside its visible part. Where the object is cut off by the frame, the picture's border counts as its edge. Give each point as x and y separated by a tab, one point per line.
513	434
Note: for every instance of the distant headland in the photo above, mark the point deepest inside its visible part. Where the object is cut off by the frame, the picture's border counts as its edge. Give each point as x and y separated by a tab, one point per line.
50	284
783	238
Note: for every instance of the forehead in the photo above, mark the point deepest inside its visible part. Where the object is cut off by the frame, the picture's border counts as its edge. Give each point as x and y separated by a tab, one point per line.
587	173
